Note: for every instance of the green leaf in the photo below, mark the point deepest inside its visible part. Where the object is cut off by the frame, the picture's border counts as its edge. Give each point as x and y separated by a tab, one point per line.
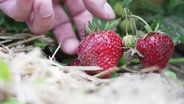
122	60
173	26
114	24
4	71
2	20
99	25
175	7
40	43
88	30
125	3
157	27
11	101
170	74
106	26
114	74
148	29
176	60
13	26
140	33
181	38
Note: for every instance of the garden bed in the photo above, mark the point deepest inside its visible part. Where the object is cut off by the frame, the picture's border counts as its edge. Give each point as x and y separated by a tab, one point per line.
37	80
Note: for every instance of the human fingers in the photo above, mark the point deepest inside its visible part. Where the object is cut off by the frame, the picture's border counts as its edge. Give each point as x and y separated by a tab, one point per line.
42	17
63	31
100	8
19	10
2	0
79	13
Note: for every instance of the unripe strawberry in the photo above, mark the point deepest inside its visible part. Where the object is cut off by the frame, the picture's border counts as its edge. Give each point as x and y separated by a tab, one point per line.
129	41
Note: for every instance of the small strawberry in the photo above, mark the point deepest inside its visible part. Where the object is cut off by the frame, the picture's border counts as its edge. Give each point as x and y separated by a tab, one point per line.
75	62
103	49
156	49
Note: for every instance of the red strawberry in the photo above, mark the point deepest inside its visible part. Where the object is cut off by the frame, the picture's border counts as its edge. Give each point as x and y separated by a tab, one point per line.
103	49
75	62
156	48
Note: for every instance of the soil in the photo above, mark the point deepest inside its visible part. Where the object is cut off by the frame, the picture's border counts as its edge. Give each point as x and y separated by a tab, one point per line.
36	79
39	79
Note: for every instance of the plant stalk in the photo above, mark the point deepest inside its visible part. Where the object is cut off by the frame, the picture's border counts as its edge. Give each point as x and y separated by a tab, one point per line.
126	18
176	60
148	28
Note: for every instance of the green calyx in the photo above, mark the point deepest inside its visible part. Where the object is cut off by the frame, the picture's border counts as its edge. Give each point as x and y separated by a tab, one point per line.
129	16
147	26
98	25
129	41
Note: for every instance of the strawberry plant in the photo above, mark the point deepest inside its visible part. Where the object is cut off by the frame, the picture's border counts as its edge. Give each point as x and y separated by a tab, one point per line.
152	47
169	14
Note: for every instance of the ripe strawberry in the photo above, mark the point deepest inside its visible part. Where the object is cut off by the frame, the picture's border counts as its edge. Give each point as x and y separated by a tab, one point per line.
156	48
103	49
75	62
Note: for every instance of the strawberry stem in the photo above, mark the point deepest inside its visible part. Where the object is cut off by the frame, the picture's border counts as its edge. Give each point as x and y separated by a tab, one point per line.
176	60
126	18
147	26
133	26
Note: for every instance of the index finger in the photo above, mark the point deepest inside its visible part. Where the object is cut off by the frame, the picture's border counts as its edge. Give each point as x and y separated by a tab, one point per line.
100	8
19	10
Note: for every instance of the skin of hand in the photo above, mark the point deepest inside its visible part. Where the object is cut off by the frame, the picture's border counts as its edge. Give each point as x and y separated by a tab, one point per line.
44	15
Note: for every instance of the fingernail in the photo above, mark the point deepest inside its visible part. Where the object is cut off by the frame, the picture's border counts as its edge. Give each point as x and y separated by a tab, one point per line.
46	9
108	9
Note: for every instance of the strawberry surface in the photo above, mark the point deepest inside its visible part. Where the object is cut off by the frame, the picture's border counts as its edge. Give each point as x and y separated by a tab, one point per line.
156	48
75	62
103	49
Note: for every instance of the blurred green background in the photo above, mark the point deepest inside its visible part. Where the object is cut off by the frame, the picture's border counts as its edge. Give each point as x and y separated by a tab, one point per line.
169	13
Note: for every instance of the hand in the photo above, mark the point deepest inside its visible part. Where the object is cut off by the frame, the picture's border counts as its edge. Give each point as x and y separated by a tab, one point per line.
44	15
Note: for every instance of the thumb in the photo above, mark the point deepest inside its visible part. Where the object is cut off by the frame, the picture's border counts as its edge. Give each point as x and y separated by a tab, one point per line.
100	8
